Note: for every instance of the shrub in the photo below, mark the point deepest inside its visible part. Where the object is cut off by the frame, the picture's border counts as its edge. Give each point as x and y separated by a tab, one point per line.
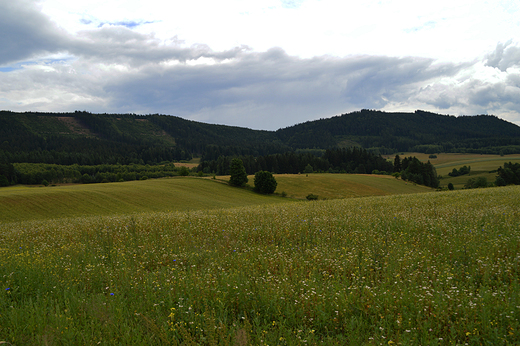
451	187
500	181
308	169
312	197
85	179
474	183
184	171
265	182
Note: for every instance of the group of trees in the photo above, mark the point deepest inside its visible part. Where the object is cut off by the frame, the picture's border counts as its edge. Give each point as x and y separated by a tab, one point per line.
264	181
411	169
349	160
508	175
462	171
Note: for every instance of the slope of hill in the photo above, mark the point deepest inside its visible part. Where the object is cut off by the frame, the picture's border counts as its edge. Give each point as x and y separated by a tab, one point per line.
155	195
87	139
183	194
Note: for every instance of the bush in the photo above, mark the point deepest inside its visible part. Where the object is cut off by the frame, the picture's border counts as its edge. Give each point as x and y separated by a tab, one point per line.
85	179
184	171
312	197
463	170
475	183
308	169
451	187
265	182
500	181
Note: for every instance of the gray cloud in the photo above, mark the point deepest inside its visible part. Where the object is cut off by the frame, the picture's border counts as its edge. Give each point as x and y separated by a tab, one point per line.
122	45
505	56
26	32
272	84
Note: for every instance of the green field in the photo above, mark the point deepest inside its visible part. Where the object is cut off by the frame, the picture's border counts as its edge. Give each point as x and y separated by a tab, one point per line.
167	194
481	165
337	186
431	269
181	194
333	186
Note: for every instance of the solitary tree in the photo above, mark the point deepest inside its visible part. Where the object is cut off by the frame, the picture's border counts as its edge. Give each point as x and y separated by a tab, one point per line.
265	182
238	173
397	164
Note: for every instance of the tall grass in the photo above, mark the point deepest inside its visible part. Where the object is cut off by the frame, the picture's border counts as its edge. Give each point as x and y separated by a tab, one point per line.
430	269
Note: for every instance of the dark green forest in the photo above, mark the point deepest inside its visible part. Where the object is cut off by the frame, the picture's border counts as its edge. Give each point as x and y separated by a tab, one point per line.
350	143
85	138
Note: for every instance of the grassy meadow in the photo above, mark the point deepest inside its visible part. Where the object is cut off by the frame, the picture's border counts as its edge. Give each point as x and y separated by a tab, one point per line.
155	195
336	186
333	186
23	202
431	269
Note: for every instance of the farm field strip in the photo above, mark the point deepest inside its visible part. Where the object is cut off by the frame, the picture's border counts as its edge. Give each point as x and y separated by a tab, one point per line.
437	268
484	161
22	203
447	159
182	193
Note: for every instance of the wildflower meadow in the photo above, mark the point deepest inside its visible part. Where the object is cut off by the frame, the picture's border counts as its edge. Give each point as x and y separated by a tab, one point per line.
425	269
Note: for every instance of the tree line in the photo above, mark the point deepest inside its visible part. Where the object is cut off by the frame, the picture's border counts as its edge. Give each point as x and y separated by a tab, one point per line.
41	173
338	160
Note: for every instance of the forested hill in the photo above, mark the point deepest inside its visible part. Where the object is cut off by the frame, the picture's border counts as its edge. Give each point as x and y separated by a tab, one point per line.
88	139
420	131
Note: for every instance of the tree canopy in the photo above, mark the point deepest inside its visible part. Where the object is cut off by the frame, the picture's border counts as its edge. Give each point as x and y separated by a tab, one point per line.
265	182
238	173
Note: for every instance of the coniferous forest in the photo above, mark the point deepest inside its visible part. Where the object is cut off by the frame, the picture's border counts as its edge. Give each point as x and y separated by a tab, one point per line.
86	147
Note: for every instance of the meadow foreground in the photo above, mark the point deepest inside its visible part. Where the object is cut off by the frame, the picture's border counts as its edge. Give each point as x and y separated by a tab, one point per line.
430	269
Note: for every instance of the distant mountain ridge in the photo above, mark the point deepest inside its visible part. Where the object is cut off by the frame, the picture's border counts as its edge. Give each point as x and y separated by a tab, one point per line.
87	138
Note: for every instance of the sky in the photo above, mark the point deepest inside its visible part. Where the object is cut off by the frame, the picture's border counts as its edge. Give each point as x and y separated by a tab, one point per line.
264	64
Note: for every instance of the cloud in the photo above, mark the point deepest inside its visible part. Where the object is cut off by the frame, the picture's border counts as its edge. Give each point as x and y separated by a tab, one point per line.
291	3
506	55
269	89
27	33
117	68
